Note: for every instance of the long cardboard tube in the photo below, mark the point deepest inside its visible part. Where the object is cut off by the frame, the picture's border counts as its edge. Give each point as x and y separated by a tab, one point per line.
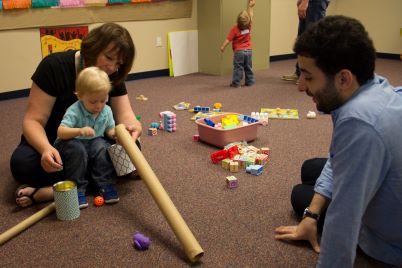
13	231
191	246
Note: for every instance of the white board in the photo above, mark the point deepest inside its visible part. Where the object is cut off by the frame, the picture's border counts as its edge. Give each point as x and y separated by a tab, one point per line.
184	52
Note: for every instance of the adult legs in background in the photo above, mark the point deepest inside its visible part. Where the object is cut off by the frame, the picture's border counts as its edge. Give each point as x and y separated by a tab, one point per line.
302	194
315	11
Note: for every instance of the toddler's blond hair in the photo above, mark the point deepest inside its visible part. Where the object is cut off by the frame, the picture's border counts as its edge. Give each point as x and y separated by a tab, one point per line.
243	20
92	79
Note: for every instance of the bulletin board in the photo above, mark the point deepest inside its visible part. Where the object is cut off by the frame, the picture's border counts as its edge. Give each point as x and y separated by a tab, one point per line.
139	11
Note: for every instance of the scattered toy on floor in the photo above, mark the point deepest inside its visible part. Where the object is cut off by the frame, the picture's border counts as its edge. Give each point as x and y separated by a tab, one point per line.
141	98
311	115
99	201
140	241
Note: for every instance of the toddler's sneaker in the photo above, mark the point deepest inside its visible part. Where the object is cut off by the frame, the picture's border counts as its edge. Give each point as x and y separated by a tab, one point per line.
82	200
109	194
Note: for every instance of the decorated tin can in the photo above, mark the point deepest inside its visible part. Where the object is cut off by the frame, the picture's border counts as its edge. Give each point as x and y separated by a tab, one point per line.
66	200
120	159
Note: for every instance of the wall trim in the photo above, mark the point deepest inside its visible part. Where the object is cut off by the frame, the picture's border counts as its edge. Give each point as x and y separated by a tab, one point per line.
380	55
390	56
282	57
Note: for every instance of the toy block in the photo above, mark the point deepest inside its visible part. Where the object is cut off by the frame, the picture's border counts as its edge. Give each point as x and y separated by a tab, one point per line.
254	169
253	148
217	105
247	118
226	163
265	150
169	121
241	162
233	166
250	161
209	122
231	182
230	120
201	109
261	159
154	125
229	126
219	155
152	131
196	137
233	151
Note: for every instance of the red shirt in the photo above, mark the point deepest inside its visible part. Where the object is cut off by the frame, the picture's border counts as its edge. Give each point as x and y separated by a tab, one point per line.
240	39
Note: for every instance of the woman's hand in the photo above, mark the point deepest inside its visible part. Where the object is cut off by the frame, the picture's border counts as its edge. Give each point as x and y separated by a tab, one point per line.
51	160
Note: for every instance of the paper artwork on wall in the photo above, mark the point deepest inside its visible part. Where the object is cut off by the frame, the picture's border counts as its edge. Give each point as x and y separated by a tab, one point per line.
16	4
114	2
71	3
61	39
44	3
97	3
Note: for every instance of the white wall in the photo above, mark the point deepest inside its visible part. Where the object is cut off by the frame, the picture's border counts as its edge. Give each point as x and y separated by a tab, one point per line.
382	19
20	50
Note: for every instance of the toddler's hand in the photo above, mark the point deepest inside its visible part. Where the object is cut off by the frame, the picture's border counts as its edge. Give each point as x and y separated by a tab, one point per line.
87	132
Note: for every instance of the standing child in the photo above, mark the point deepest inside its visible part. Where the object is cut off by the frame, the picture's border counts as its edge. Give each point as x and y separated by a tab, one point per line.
83	129
240	36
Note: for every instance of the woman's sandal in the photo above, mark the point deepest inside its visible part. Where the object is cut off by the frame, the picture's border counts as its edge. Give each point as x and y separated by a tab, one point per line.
30	196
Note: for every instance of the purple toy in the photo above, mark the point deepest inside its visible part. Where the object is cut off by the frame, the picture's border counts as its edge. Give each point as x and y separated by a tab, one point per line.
141	242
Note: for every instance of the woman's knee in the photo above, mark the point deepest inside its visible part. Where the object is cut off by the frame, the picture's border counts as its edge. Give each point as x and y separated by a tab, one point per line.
24	163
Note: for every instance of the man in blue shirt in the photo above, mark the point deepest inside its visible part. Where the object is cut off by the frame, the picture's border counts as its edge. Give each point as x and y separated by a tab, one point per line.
360	185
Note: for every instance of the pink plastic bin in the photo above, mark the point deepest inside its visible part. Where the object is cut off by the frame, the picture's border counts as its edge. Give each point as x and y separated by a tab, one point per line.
221	137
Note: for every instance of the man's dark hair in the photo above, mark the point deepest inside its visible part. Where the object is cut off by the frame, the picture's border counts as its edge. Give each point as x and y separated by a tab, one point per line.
336	43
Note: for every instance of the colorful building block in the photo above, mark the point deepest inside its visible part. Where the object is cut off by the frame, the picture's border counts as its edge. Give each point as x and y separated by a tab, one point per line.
169	121
152	131
234	166
254	169
231	182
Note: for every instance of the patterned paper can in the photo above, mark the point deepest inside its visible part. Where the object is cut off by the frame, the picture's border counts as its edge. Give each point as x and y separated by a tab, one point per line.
66	200
120	159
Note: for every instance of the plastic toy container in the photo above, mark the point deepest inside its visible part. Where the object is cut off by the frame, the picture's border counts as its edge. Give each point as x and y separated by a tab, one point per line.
221	137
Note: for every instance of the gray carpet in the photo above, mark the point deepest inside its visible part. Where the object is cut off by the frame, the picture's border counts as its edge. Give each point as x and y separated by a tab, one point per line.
234	227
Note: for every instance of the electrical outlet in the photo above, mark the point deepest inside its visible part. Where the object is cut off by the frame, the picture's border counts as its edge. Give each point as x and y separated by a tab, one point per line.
158	41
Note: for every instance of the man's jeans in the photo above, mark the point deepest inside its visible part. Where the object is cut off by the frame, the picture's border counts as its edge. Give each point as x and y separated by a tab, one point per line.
242	62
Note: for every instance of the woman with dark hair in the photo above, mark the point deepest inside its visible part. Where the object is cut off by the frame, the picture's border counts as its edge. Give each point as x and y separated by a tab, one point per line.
36	163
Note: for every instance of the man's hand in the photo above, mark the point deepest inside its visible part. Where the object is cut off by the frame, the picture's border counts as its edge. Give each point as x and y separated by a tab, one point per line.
51	160
251	3
306	230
